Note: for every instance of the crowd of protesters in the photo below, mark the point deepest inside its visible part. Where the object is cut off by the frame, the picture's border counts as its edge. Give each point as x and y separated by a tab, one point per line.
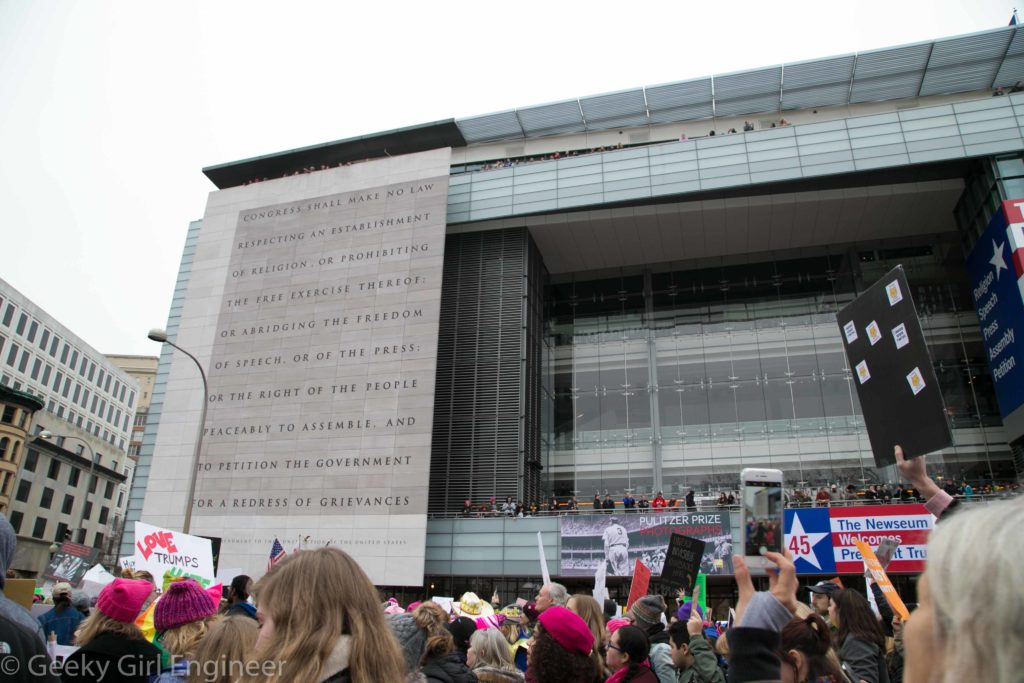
316	617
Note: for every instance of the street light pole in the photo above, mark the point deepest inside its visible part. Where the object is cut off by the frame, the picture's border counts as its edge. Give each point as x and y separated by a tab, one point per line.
46	435
159	335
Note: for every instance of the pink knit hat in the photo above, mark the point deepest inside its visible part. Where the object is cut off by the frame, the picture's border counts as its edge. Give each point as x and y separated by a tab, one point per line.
182	603
568	630
122	599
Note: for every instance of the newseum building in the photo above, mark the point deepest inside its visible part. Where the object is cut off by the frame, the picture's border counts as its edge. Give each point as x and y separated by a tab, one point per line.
633	291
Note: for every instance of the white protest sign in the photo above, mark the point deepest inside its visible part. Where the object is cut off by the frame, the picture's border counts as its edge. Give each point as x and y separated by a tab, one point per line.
600	593
161	551
445	603
127	562
543	560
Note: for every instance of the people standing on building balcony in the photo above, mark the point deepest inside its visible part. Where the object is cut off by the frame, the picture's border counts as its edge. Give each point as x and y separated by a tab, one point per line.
628	502
609	504
659	502
644	504
691	501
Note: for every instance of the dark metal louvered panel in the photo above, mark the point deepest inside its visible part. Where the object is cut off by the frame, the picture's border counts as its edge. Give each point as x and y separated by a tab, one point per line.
750	92
490	127
820	83
476	447
680	101
889	74
552	119
965	63
1012	69
615	110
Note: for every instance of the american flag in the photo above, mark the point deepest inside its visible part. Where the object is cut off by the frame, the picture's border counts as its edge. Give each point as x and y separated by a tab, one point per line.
277	554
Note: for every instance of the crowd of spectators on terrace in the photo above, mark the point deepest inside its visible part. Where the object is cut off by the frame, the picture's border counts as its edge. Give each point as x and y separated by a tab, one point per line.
825	496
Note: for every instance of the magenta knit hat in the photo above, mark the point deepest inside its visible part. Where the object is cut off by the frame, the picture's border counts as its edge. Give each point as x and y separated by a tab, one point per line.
182	603
122	599
568	630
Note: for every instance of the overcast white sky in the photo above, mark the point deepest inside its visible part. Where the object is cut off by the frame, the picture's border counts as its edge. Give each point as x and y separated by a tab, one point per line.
109	110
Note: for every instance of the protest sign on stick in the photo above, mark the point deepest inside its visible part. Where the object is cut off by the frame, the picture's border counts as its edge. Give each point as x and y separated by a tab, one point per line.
543	560
880	577
177	554
893	372
682	562
641	582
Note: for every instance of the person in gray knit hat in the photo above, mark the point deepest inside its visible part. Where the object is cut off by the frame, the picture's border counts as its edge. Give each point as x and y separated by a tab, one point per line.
647	614
412	639
9	608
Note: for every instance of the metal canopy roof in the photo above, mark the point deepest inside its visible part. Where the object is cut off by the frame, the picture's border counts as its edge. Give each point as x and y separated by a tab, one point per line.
958	64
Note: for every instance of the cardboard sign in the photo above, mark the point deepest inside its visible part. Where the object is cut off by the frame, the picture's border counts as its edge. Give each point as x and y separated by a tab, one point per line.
70	563
641	582
899	394
173	553
880	577
21	591
682	562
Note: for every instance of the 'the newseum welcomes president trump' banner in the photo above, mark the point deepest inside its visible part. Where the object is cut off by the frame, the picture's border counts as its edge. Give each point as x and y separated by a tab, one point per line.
619	540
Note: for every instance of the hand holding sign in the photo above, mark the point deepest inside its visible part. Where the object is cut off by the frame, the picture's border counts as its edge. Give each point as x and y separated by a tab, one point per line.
695	625
891	596
781	580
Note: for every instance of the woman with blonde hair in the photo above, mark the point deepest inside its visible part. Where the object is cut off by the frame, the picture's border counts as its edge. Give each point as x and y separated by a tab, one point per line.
320	620
108	639
588	610
490	659
221	655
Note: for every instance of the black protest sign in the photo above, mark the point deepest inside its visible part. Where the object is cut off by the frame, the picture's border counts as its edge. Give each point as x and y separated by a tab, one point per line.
215	549
70	563
892	371
682	562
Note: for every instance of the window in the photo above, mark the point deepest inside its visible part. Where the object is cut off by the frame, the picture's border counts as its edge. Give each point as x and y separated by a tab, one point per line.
54	471
87	512
12	355
54	343
133	449
104	513
39	531
77	394
69	503
24	487
47	369
62	533
98	540
46	499
32	329
45	339
67	387
64	354
31	458
8	417
92	370
21	323
15	519
131	399
106	387
8	315
4	445
74	359
36	367
92	484
109	490
99	378
23	364
120	498
73	476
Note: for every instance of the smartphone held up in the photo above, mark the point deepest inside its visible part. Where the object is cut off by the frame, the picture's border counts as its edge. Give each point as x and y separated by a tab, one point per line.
761	516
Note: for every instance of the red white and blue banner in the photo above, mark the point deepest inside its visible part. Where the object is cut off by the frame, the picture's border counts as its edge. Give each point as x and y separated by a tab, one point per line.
822	539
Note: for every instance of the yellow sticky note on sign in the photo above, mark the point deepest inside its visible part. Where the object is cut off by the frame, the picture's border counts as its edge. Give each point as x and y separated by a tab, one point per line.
882	579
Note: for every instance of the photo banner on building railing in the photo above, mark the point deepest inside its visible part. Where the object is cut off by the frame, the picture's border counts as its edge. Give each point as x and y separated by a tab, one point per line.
823	540
619	540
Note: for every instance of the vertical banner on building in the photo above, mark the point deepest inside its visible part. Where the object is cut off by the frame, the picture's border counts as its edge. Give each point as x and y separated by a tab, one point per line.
313	302
996	271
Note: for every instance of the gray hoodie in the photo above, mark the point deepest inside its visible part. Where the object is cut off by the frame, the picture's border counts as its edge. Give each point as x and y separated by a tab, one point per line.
9	608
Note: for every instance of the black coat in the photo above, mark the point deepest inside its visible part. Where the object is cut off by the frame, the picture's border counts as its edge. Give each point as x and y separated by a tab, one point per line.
447	670
124	660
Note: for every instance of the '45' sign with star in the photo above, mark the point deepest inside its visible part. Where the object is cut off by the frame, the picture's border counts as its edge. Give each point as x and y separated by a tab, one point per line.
809	538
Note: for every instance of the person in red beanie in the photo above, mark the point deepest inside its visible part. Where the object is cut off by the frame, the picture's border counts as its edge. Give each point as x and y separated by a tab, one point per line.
560	649
110	645
182	616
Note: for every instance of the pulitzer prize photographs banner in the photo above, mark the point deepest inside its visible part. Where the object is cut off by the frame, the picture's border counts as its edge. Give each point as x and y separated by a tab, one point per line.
619	540
313	302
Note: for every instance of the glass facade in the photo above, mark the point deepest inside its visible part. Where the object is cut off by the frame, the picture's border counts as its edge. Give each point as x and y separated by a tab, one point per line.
678	376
